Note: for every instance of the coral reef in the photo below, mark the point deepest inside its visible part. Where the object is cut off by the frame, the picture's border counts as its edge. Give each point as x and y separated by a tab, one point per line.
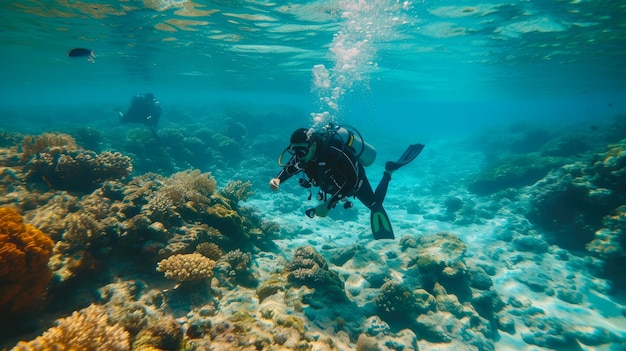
581	205
308	267
514	171
242	290
78	170
235	268
610	241
397	301
210	250
24	255
442	293
54	143
184	267
167	334
85	330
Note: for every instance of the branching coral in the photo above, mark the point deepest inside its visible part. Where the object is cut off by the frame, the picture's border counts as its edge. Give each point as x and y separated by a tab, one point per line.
84	330
24	255
195	186
185	267
81	230
237	190
235	268
185	193
53	143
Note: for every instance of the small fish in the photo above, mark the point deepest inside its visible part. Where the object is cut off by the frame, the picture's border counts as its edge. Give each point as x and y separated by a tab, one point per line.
82	52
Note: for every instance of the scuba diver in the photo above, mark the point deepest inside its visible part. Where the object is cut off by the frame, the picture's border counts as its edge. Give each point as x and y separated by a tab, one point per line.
145	110
333	160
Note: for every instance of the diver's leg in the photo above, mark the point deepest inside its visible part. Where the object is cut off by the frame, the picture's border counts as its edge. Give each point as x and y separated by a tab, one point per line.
379	221
381	189
369	197
365	194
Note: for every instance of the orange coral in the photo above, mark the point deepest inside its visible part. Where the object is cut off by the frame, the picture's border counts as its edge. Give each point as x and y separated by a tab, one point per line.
24	254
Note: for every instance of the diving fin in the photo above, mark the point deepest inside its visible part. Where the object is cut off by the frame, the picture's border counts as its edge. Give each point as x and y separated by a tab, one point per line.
409	155
381	226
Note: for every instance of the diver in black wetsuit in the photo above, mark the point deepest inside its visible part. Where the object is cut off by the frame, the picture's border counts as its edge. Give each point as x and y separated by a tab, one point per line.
145	110
333	161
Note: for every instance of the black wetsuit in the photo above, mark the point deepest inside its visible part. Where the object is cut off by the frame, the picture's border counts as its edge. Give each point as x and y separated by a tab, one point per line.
338	173
145	110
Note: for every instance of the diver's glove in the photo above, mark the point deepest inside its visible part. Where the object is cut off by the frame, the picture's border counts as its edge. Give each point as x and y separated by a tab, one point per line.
274	183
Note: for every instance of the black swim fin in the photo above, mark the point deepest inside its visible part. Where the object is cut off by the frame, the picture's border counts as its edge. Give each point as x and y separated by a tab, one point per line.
381	226
409	155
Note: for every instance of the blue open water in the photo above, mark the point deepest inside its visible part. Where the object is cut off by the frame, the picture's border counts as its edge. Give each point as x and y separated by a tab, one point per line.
401	72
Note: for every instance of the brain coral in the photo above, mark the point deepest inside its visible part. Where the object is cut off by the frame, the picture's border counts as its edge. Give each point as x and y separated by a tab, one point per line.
24	255
309	268
84	330
184	267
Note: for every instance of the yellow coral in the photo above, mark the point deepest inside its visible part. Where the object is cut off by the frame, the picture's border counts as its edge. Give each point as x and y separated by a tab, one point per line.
85	330
237	190
24	255
184	267
33	145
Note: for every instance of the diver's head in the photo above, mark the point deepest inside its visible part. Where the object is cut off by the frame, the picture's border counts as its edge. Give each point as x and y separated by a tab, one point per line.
299	142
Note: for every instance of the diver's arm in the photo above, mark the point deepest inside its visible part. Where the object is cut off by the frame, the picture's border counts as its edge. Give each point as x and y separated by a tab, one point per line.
293	167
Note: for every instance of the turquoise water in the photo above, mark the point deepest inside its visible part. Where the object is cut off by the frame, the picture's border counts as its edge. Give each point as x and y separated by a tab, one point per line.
430	60
521	105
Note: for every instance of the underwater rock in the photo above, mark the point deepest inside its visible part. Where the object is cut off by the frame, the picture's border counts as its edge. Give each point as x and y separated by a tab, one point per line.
581	206
479	279
374	326
535	280
529	243
438	327
439	258
547	332
367	343
514	171
506	324
570	296
594	336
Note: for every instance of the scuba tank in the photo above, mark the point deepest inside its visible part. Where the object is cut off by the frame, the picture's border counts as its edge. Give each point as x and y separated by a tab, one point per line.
351	141
364	152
